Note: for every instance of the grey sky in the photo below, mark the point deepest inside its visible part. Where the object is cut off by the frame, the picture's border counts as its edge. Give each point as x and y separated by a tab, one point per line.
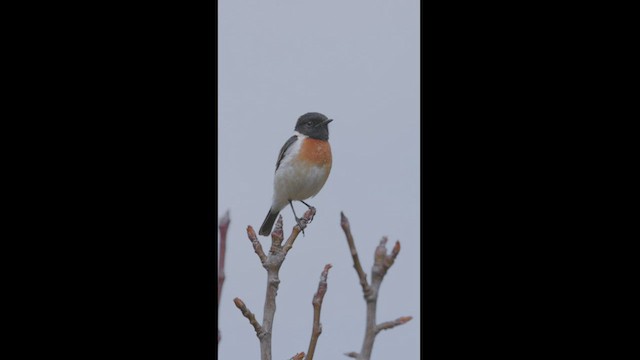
357	62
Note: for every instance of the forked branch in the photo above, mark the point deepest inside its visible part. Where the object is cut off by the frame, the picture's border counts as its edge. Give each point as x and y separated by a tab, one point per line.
382	261
272	263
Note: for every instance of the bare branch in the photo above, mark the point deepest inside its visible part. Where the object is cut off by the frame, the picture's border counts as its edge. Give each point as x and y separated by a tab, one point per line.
223	227
272	264
317	306
273	281
277	234
391	258
391	324
249	315
306	219
381	264
346	227
256	244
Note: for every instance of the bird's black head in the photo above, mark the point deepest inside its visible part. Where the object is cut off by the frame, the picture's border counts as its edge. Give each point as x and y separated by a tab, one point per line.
314	125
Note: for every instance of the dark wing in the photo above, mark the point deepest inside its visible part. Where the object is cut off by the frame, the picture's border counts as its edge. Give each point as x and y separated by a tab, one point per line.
284	149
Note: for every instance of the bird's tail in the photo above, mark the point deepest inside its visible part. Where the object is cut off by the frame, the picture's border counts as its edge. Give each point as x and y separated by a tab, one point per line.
267	225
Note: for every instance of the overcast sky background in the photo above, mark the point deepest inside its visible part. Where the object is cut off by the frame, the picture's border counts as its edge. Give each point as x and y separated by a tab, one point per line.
357	62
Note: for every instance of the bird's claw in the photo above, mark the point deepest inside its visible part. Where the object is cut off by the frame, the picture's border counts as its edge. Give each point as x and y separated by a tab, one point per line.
300	224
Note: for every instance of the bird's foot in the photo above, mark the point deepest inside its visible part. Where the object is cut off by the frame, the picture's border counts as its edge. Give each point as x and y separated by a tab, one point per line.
302	223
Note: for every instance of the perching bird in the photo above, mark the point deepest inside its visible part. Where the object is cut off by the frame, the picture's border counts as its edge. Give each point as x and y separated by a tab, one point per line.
303	166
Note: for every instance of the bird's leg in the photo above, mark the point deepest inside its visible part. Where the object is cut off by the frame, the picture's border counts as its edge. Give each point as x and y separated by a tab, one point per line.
309	206
296	217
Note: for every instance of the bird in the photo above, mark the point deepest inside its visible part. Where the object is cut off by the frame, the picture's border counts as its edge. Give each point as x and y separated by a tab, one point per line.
302	168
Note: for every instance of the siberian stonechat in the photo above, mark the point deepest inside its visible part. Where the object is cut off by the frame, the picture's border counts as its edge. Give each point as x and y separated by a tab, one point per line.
303	166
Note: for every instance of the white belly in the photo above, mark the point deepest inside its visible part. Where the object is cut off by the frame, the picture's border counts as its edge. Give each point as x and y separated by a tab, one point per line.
296	184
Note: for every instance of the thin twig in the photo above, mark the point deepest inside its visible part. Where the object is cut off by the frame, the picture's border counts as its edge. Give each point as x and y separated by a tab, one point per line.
381	264
317	306
346	227
223	227
298	356
306	219
391	324
256	244
249	315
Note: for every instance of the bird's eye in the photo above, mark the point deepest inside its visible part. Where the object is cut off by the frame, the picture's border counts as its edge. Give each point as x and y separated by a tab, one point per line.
309	123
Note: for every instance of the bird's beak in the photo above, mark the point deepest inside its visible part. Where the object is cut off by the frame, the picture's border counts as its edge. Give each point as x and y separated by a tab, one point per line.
326	122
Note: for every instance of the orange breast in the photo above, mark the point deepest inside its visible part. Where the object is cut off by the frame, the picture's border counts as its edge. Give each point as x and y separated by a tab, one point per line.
316	151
